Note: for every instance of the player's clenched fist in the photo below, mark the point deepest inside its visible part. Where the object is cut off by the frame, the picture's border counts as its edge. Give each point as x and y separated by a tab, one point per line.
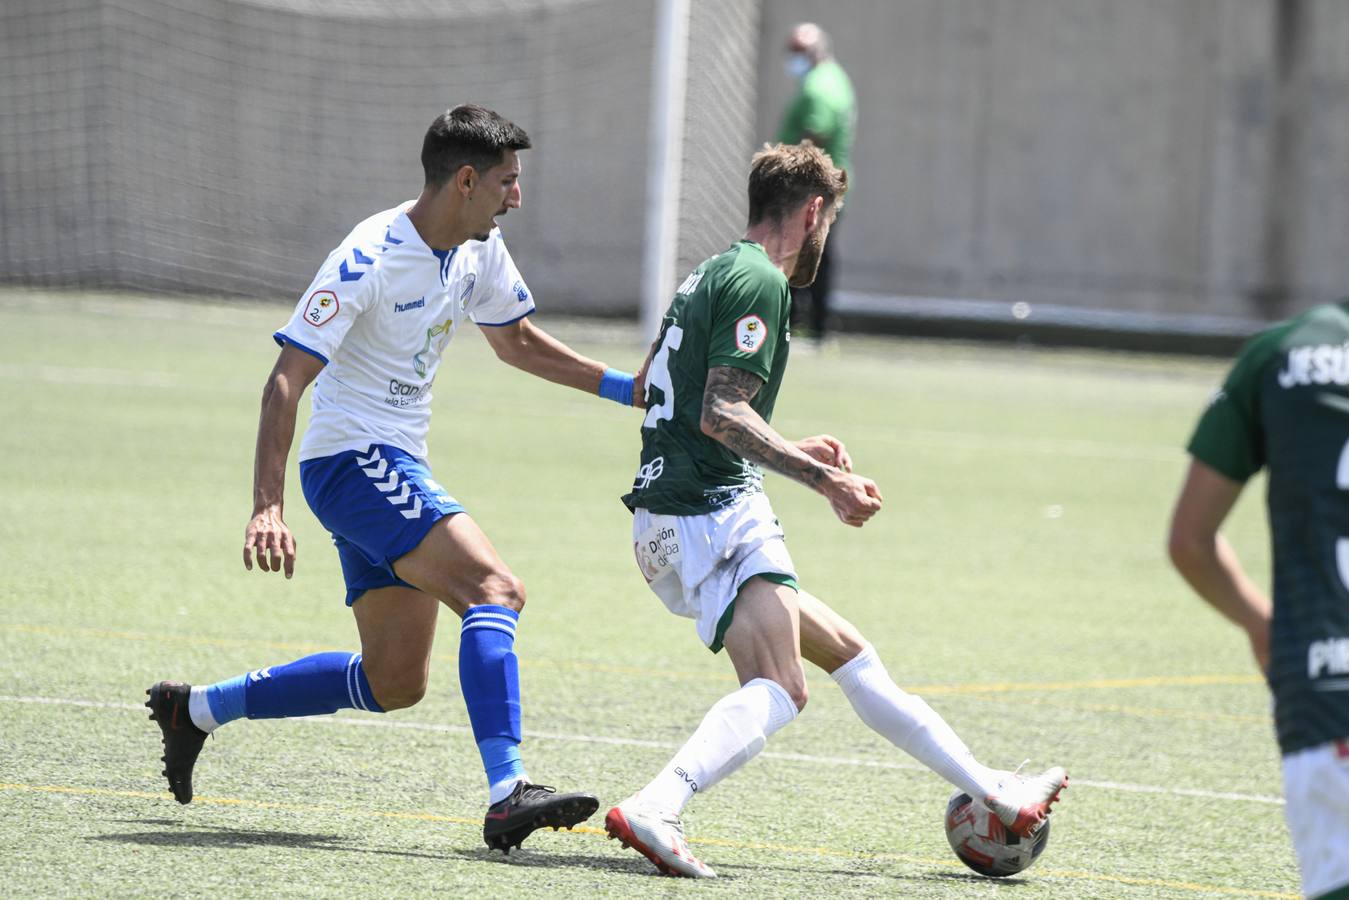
854	499
268	537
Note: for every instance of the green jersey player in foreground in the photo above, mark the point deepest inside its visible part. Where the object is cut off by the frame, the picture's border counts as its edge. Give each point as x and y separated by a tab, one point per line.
710	547
1285	407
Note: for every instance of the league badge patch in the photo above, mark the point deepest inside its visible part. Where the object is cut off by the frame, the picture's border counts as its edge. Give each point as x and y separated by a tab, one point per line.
749	334
321	308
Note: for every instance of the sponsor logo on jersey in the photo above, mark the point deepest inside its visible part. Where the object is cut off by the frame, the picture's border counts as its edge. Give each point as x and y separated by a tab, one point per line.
1318	364
466	290
521	294
321	307
411	304
749	334
421	360
403	395
648	473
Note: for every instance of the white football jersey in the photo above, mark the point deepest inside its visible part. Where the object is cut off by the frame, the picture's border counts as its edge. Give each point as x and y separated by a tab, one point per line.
379	313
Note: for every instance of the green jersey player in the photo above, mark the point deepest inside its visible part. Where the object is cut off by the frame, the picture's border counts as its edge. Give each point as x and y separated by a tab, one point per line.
1285	407
710	548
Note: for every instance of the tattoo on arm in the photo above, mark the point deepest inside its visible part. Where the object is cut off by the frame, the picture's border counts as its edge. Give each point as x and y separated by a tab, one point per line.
729	419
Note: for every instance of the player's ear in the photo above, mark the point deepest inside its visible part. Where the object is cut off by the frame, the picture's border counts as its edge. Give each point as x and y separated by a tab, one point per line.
465	179
814	210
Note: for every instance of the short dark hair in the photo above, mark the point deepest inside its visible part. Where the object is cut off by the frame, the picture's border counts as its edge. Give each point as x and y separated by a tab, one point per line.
468	135
784	176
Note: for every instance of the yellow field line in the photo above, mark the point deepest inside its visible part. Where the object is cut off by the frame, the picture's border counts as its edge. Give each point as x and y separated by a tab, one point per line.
828	852
1153	712
988	688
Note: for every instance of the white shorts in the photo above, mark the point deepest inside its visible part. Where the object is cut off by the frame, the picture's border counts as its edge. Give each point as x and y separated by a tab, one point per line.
1316	786
697	564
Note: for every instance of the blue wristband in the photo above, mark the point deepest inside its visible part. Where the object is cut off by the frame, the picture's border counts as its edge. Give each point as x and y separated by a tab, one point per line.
616	386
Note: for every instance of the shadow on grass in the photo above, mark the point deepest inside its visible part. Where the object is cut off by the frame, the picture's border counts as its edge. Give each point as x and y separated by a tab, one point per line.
543	859
1010	881
217	837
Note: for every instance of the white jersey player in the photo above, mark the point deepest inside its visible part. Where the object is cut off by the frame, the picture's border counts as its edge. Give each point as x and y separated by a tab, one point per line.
369	333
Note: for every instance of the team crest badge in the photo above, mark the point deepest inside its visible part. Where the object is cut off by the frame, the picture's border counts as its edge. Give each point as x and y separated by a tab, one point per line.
321	308
749	334
466	289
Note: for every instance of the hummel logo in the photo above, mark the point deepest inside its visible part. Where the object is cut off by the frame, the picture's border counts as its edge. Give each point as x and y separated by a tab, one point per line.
412	304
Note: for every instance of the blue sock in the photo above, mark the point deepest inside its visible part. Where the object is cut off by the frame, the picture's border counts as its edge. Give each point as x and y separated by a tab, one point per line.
489	676
226	699
312	686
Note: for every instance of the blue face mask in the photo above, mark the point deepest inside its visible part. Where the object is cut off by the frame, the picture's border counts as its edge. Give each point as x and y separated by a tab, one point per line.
798	64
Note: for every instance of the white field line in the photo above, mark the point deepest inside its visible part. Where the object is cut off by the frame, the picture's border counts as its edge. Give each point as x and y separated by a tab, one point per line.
665	745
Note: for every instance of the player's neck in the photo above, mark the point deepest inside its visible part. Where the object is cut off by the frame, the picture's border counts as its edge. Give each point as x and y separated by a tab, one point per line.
782	250
436	222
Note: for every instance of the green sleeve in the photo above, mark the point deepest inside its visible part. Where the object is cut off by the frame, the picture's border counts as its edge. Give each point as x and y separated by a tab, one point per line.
746	320
1230	436
819	118
791	131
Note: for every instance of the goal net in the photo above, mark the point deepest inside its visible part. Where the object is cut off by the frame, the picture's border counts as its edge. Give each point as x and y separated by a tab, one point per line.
225	146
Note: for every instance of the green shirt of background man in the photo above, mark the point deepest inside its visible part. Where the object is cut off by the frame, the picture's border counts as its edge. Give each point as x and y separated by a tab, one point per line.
731	311
825	110
1285	407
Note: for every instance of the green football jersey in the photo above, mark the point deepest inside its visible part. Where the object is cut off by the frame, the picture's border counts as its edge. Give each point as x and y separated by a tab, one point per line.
730	311
1285	406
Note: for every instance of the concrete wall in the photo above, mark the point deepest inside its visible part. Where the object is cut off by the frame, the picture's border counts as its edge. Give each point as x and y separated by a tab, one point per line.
1155	155
1181	156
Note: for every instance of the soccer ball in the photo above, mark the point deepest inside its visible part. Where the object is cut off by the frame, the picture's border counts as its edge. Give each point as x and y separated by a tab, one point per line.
983	843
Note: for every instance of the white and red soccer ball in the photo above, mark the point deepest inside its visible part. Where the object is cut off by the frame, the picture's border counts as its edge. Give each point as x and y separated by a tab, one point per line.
983	843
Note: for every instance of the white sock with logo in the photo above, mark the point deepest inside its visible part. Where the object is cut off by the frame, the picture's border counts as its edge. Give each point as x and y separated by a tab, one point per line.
911	725
732	733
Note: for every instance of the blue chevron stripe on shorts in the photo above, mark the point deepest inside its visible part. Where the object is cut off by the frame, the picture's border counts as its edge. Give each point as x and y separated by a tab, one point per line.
377	504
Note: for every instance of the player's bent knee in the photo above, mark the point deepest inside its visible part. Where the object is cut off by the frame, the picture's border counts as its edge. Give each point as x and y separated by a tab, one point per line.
398	690
502	589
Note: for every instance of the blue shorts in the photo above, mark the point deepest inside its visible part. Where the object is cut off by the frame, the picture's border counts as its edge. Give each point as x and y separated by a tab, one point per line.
378	505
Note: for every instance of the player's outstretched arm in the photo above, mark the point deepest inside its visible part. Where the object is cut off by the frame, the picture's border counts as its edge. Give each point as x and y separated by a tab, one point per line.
530	349
729	419
1209	563
267	535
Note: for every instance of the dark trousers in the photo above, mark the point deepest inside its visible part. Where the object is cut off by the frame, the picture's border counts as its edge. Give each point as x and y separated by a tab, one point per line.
812	303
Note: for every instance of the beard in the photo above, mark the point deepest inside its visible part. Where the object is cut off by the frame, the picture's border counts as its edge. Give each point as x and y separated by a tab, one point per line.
808	260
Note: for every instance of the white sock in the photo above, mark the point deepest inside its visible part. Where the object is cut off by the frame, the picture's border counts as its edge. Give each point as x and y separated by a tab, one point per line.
911	725
200	711
502	789
732	733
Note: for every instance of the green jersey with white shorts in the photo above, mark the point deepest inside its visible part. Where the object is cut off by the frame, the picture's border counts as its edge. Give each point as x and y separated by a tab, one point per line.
702	525
730	311
1285	407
